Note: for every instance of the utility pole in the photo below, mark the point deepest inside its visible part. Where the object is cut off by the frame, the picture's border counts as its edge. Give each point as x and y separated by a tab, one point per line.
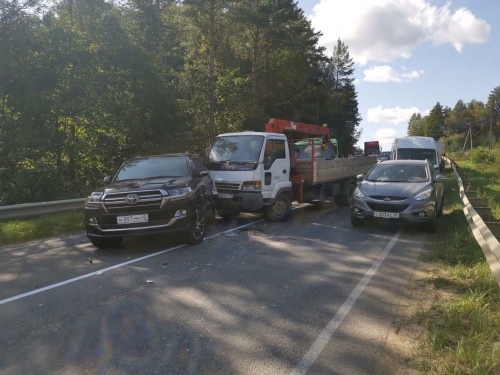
494	114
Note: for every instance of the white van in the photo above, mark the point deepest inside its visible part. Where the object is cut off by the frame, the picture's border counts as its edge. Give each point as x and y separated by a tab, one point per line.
440	152
415	148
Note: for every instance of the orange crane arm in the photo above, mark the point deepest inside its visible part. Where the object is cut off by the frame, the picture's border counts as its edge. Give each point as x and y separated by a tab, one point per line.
280	126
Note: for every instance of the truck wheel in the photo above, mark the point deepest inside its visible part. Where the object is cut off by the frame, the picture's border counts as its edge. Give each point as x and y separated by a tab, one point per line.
227	213
350	193
198	227
346	199
280	209
105	243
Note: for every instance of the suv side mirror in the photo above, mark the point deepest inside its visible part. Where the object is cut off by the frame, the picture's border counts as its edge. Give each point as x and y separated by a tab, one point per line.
202	171
107	180
360	177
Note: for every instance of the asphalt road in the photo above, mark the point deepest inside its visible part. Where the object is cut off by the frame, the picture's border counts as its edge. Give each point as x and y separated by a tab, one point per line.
309	296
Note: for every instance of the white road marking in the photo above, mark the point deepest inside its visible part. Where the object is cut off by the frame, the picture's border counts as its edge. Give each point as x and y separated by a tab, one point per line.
326	335
100	272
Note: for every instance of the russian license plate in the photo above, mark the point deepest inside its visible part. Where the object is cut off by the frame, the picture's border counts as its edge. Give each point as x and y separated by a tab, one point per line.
132	219
387	215
225	195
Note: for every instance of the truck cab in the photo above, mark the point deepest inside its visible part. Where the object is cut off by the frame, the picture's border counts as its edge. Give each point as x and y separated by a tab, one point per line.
249	171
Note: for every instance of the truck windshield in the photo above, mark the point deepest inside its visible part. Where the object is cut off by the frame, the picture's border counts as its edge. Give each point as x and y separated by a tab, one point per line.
417	154
153	167
244	148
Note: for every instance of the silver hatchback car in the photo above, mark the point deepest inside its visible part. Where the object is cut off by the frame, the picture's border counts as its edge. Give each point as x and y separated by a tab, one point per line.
402	191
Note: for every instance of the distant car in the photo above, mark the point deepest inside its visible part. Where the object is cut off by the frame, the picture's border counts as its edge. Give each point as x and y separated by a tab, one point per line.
384	155
151	194
401	191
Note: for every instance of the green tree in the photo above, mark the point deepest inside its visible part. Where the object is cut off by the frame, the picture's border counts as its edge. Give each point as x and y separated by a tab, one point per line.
339	107
415	125
433	125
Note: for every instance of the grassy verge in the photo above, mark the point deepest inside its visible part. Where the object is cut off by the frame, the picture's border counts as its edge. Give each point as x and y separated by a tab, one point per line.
18	231
485	177
463	324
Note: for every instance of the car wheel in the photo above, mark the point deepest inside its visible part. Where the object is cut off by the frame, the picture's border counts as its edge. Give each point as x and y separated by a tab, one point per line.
105	243
198	226
441	207
431	225
280	209
356	222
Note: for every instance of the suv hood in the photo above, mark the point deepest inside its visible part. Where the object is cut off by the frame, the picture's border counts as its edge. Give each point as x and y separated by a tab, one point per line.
393	189
149	184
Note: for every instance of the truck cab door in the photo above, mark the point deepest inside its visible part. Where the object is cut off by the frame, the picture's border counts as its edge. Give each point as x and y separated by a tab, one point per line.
276	166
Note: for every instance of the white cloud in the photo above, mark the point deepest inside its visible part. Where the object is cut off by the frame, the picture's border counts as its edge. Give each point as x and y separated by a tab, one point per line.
385	73
396	115
385	135
385	30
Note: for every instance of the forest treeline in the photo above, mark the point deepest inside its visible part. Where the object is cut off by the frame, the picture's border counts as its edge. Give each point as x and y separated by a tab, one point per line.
85	84
474	123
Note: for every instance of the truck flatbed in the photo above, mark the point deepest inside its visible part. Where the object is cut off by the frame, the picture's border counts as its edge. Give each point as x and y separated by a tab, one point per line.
322	171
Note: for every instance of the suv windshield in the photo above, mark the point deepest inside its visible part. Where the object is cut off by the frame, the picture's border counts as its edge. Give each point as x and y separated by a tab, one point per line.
175	166
237	148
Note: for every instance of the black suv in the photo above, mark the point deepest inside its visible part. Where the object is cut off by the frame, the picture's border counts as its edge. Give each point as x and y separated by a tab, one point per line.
151	194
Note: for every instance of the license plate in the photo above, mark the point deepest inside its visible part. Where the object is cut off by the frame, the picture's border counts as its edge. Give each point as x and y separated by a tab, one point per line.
387	215
225	195
132	219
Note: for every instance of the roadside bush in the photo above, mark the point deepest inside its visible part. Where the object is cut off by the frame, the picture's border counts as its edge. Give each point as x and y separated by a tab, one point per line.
453	142
481	155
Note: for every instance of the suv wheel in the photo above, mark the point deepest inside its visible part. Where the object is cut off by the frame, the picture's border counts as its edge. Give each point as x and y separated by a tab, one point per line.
431	225
441	207
356	222
198	227
106	243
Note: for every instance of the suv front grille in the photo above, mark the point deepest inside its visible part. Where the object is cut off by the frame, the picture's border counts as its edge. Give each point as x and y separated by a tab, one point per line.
149	200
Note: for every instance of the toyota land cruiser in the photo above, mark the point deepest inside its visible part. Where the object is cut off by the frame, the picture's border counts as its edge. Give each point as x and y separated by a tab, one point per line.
151	194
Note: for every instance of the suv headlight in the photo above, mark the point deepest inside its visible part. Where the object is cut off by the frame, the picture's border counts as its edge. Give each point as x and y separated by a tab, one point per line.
94	198
358	193
426	194
180	192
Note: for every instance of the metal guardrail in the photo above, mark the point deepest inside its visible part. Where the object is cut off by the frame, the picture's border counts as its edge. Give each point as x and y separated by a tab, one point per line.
40	208
488	242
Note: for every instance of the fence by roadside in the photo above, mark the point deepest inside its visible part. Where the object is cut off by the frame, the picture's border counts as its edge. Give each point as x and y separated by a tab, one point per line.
40	208
483	235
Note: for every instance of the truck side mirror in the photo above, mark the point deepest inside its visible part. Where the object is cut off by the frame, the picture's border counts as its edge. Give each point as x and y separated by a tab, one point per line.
107	180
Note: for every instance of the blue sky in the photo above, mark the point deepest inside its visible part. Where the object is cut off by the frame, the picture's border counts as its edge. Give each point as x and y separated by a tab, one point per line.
411	54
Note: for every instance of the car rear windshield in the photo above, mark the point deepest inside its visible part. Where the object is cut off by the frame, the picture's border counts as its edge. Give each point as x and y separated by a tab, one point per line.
153	167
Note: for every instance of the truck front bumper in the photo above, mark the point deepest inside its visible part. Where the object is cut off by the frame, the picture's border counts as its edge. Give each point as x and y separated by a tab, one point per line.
251	200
